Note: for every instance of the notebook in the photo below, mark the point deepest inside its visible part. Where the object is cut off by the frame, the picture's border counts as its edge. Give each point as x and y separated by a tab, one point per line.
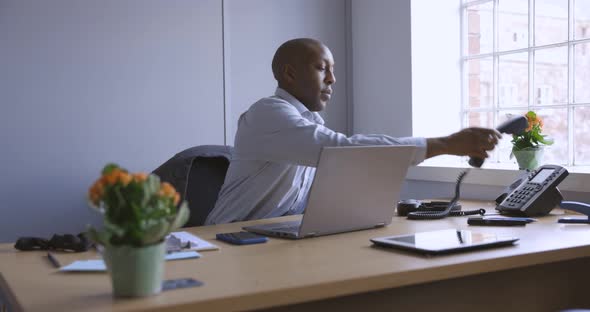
354	188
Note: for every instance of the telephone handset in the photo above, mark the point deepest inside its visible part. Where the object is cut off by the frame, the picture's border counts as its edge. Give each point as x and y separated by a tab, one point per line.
534	195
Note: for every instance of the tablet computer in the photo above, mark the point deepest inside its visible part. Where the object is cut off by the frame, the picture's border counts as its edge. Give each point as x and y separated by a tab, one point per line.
444	241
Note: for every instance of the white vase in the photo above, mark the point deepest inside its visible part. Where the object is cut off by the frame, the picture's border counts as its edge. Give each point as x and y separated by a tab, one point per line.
529	158
135	271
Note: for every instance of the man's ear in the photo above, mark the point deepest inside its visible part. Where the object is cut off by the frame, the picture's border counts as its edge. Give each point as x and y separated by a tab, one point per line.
289	73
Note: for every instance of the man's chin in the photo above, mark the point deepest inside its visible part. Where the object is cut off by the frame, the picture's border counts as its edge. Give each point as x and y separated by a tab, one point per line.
320	106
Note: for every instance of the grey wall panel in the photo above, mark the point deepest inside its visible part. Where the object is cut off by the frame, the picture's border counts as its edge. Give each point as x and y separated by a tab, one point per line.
254	29
382	67
83	83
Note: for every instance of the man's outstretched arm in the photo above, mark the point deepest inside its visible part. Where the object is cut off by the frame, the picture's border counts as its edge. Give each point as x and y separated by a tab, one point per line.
472	142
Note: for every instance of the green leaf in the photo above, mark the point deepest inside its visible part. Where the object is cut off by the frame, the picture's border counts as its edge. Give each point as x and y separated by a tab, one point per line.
99	237
155	232
531	114
182	216
114	229
108	168
152	185
546	141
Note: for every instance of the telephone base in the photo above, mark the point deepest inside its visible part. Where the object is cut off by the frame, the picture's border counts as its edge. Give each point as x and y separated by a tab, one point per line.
573	220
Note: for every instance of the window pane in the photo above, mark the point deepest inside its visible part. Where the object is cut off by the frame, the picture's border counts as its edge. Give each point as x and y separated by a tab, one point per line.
480	77
479	28
582	19
581	137
555	127
504	147
513	88
550	76
582	73
513	24
480	119
550	21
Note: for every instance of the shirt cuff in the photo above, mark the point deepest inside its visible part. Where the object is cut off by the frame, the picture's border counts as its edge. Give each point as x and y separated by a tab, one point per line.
420	154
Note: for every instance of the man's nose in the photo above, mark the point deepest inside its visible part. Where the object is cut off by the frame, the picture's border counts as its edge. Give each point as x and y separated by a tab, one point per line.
330	78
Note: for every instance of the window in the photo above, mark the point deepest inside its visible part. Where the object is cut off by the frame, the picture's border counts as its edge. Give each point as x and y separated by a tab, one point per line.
508	94
520	55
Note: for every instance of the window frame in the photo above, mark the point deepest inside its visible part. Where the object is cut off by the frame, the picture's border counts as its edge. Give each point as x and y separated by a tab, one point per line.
495	109
494	174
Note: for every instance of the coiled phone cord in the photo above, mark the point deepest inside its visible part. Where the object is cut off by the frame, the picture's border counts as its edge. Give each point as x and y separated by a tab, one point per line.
431	215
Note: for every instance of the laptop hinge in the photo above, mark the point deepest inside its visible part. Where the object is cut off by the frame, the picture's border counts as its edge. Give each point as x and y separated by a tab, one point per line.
380	224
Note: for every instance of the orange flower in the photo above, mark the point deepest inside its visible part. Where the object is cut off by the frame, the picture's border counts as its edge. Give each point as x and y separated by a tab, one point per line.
139	177
95	198
111	178
124	178
533	120
96	191
117	175
167	190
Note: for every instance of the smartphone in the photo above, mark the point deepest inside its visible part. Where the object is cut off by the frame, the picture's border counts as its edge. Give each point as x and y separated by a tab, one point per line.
241	238
498	221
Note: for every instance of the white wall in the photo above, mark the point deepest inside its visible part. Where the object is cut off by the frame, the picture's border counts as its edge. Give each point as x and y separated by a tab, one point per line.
254	29
83	83
87	82
436	70
382	67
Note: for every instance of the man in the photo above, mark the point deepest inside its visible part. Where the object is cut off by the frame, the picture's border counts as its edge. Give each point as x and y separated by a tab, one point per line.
279	139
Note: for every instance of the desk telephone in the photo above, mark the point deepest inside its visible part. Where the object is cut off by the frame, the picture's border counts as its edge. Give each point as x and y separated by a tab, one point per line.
534	194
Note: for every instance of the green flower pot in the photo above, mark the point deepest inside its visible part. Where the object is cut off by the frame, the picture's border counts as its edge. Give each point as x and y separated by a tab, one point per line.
135	271
529	158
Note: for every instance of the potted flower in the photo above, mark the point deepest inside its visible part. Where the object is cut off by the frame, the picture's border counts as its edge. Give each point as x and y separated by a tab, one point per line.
527	147
139	212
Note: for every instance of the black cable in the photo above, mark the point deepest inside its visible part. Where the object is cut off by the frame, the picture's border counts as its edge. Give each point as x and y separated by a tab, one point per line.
431	215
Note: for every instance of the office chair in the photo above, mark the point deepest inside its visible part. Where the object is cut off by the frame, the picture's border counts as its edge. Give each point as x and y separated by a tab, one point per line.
197	173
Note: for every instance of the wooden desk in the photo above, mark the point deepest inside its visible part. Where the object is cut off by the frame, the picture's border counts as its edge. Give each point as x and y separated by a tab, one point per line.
547	271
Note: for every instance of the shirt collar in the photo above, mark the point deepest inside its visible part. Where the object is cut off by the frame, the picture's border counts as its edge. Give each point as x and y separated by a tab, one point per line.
291	99
298	105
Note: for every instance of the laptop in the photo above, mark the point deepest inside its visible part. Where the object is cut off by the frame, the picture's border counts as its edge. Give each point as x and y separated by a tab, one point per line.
354	188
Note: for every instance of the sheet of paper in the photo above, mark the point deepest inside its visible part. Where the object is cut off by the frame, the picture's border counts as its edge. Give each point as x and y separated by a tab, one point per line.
85	266
97	265
196	242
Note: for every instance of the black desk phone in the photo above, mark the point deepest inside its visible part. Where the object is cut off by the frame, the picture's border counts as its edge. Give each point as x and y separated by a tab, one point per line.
533	195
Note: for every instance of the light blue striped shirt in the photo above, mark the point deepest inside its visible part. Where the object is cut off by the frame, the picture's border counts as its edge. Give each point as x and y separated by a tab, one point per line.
277	147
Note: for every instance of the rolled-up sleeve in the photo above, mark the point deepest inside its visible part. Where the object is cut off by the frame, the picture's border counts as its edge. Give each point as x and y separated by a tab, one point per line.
276	131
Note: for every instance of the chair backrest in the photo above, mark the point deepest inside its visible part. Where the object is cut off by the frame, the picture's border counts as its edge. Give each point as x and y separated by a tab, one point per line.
197	174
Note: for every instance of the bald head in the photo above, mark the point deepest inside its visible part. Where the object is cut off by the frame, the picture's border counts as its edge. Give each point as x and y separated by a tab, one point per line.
295	52
304	68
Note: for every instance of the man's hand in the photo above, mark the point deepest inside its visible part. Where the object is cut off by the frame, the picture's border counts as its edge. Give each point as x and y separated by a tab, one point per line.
472	142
